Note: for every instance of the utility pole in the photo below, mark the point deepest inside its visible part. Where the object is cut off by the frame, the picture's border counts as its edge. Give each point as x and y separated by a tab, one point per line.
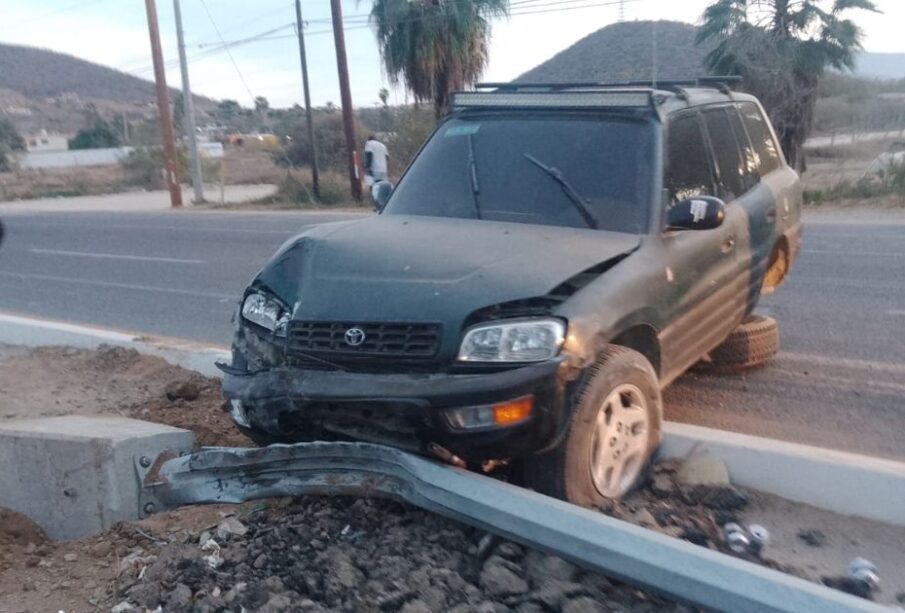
163	107
300	26
345	96
189	108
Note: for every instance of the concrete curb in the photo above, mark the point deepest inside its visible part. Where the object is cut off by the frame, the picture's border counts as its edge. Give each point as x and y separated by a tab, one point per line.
35	332
844	483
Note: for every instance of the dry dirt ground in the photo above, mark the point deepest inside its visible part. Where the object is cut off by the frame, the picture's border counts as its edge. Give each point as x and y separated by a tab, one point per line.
319	554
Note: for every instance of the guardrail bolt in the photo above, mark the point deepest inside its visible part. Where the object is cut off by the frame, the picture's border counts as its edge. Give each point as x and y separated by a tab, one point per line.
736	539
145	461
759	536
865	572
149	508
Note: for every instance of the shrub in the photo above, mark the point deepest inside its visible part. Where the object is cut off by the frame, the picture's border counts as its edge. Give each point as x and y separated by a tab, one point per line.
99	136
145	168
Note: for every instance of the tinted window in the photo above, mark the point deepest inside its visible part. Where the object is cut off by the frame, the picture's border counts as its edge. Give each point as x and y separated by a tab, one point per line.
750	159
728	160
688	161
761	138
606	159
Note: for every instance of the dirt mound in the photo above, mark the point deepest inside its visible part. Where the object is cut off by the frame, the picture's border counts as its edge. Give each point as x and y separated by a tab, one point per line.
51	381
320	554
18	530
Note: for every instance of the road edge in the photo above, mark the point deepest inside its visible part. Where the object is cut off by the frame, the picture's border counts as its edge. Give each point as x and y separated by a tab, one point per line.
846	483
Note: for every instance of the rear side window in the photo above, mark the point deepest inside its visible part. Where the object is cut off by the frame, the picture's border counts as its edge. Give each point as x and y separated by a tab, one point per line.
688	160
732	170
761	138
750	160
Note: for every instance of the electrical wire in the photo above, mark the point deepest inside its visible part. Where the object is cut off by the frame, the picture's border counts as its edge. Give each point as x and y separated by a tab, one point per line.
228	52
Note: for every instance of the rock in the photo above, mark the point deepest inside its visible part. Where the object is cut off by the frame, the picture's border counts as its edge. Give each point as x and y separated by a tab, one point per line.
662	485
29	586
849	585
485	546
498	579
540	567
179	596
723	498
101	549
182	390
584	604
510	551
646	519
230	526
530	607
123	607
260	561
703	470
813	538
416	606
276	604
70	557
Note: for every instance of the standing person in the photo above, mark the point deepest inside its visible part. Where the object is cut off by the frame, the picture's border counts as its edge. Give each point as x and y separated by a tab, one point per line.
376	157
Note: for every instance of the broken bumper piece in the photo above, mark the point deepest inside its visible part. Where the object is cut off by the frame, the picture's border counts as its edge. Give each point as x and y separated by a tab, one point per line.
476	416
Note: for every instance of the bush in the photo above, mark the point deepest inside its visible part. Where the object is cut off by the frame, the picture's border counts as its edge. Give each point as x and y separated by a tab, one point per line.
331	143
145	168
10	139
100	136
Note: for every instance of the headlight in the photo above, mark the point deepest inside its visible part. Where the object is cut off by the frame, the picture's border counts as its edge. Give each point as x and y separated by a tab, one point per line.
515	341
264	311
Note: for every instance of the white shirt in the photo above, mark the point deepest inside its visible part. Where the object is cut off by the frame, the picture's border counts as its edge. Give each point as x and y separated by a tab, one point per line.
379	155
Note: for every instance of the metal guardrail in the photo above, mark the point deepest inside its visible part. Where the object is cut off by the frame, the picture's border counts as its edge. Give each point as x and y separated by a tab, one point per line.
594	541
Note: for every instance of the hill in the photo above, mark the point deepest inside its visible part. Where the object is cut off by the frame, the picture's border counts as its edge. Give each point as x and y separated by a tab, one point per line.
623	51
40	73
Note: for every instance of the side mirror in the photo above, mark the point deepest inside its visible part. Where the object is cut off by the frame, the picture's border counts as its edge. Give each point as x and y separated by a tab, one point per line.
380	193
697	213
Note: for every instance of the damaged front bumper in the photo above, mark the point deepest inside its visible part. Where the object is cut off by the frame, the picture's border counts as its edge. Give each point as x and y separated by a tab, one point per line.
405	410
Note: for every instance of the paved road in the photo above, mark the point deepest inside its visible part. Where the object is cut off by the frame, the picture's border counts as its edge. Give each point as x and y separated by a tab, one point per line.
839	381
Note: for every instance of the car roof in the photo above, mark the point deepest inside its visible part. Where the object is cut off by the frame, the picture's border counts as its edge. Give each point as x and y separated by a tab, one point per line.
662	98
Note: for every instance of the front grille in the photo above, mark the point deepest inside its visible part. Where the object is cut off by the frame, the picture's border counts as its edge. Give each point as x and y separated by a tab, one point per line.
382	340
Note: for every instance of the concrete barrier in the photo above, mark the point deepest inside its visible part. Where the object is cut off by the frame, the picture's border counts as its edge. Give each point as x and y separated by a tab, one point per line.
75	476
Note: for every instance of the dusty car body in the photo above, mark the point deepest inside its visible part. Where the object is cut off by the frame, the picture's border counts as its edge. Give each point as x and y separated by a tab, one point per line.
501	307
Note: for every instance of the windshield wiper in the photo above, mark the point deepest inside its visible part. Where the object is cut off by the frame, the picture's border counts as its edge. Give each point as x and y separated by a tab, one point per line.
473	173
581	204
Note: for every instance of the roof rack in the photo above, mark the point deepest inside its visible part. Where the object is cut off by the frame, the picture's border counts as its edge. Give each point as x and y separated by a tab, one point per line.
721	83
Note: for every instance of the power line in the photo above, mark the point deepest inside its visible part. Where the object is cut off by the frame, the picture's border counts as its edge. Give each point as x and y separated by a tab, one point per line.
228	52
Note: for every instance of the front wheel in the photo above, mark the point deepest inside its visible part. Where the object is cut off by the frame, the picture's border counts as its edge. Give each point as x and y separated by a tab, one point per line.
612	434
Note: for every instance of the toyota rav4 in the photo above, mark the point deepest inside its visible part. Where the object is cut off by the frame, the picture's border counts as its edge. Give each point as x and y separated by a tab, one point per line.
552	258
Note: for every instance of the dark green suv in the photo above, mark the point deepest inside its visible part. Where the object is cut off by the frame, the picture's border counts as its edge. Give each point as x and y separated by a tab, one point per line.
552	258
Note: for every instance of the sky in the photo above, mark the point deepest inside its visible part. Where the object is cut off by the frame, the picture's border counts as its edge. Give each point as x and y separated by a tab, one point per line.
114	33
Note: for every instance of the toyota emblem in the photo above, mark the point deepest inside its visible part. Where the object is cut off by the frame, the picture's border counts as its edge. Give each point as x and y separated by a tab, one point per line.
355	337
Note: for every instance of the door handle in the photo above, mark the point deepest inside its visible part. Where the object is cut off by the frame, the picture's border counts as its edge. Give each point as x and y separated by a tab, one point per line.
728	244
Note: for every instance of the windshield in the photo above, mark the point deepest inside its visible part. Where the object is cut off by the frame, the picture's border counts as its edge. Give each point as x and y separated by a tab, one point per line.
566	170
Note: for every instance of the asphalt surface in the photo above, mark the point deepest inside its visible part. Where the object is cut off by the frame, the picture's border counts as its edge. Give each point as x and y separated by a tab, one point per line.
839	380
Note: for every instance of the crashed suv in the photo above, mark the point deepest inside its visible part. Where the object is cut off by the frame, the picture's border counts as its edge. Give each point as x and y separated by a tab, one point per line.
551	259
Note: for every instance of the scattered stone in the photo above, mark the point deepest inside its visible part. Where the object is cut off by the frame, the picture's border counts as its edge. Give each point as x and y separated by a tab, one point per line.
703	470
70	557
583	605
663	485
510	551
101	549
182	390
498	578
541	567
849	585
416	606
230	526
485	546
123	607
813	538
180	596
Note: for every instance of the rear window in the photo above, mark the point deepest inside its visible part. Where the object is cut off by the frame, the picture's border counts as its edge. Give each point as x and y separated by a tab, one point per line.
732	170
761	138
500	167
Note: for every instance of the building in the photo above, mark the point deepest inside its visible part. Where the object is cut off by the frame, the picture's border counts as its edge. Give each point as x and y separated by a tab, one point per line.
44	141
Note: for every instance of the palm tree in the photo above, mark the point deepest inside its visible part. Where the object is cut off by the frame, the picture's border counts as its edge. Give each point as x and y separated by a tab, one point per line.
781	48
435	46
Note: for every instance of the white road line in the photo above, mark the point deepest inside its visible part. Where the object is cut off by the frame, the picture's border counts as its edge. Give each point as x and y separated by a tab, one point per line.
805	358
143	288
865	253
115	256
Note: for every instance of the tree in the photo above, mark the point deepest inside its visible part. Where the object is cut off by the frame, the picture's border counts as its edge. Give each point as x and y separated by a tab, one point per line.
435	46
10	137
262	105
228	110
781	49
384	94
97	136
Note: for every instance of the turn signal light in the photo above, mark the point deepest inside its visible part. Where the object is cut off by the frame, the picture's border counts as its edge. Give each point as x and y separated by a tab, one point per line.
513	411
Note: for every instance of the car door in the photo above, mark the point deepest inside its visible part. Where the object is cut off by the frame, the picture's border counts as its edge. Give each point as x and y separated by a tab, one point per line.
705	299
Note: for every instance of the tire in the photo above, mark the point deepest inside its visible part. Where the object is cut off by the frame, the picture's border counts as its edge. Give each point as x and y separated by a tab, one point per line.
595	438
750	345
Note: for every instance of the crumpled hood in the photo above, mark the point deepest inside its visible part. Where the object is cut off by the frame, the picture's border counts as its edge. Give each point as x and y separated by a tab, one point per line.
429	269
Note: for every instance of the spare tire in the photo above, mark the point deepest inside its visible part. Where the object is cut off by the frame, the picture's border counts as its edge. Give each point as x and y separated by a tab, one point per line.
751	344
